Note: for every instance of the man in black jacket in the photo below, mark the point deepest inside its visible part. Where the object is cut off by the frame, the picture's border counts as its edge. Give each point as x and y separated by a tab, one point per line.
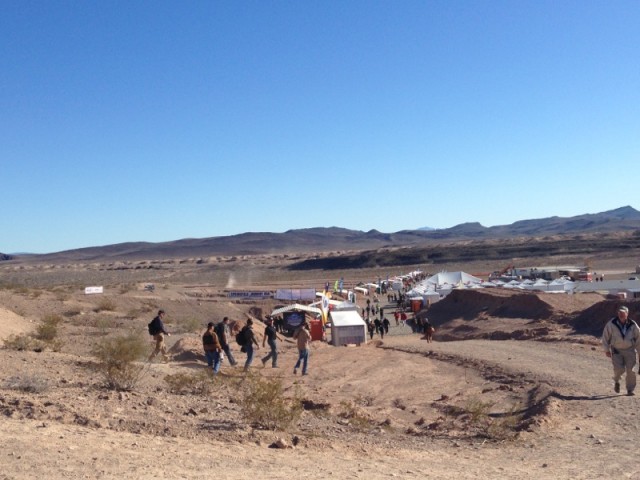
158	331
224	336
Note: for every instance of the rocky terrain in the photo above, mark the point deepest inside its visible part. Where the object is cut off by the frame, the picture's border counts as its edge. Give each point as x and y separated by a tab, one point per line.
510	376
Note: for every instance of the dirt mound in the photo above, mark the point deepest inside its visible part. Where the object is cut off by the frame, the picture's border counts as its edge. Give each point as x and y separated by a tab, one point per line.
187	349
12	324
592	320
471	304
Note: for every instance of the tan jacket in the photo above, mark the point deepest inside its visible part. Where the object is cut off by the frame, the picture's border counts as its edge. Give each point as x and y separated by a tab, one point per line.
303	336
210	342
612	337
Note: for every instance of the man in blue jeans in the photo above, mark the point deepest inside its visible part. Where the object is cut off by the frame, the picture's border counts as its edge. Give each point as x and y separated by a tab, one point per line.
212	348
270	336
249	341
303	337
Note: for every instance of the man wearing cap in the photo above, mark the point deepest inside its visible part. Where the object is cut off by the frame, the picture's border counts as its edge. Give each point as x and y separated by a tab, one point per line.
621	340
212	348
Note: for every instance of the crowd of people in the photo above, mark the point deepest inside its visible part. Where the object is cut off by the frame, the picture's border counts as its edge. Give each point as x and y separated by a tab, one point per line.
217	340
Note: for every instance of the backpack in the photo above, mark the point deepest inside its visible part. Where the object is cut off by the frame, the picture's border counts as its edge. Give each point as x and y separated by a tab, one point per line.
241	338
153	327
219	329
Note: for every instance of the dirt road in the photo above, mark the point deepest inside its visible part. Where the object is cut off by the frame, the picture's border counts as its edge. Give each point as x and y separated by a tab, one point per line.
589	431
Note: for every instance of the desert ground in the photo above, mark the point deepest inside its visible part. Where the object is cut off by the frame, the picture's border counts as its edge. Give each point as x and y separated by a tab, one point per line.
520	391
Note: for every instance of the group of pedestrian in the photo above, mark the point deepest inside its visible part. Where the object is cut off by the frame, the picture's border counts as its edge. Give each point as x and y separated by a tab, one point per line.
216	343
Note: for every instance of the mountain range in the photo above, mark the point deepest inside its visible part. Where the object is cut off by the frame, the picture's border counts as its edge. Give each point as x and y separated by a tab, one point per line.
624	219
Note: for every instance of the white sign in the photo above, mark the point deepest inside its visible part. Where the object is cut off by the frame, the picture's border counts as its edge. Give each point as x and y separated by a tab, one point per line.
90	290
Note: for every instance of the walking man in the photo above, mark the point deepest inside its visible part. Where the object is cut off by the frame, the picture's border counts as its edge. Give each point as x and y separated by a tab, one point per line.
270	335
224	337
156	328
303	337
212	348
621	340
249	339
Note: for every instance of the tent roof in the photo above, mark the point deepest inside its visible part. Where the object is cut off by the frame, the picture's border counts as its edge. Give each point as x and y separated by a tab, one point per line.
345	318
452	278
296	306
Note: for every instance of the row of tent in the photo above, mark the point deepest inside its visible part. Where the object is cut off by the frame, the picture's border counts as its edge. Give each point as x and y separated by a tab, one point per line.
440	284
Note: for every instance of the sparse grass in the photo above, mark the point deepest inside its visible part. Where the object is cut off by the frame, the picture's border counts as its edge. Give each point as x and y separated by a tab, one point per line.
355	416
104	323
117	360
19	342
199	383
264	404
105	305
72	312
47	330
27	383
188	325
478	410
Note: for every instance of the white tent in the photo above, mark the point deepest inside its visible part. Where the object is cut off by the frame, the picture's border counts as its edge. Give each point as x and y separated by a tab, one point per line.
347	327
452	278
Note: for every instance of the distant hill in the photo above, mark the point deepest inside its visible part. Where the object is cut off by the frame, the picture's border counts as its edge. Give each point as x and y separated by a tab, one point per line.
625	219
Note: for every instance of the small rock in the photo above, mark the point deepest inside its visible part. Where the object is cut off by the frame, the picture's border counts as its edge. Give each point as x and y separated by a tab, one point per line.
544	465
578	428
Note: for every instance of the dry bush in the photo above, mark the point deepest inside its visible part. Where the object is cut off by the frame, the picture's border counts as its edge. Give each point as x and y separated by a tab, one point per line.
117	358
19	342
104	322
62	296
199	383
188	325
105	305
354	415
27	383
73	312
478	419
126	287
47	330
264	404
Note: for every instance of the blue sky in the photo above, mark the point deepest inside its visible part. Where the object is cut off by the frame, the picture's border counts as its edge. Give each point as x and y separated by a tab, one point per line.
154	121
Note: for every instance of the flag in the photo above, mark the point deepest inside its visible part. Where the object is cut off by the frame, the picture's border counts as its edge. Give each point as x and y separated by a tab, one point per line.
325	309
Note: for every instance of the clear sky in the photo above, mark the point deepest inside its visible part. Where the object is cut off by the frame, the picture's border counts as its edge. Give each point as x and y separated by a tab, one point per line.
154	121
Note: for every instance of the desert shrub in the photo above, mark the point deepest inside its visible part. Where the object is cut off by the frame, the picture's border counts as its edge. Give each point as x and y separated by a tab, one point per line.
354	415
104	322
105	305
19	342
62	296
73	312
47	330
117	360
478	410
199	383
126	287
490	426
188	325
264	404
27	383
